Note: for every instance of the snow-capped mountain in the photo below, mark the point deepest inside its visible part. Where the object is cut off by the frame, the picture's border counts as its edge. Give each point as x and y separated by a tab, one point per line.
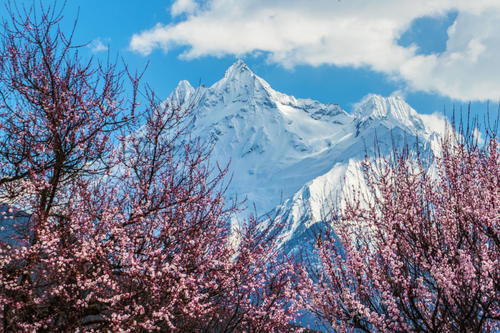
294	156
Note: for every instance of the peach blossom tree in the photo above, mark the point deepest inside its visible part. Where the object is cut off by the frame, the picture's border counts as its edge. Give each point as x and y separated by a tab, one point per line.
125	223
419	251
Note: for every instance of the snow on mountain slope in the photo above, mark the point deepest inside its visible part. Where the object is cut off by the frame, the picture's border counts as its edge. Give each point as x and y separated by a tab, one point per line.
382	124
297	156
275	143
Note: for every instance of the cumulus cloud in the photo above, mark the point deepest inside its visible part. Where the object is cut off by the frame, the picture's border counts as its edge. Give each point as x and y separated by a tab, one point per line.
183	7
355	33
97	46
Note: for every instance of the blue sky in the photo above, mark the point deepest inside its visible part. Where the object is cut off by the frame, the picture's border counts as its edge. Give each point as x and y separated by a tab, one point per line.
436	54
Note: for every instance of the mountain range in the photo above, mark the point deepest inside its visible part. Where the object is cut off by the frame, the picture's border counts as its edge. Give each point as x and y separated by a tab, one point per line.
295	158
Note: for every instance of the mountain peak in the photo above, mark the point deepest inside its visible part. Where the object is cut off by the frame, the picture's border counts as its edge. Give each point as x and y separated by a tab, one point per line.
184	85
378	107
241	84
182	94
238	68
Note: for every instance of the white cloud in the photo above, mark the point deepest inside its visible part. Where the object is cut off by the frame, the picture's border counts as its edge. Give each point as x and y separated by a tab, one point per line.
97	46
348	33
399	93
436	122
183	6
476	133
